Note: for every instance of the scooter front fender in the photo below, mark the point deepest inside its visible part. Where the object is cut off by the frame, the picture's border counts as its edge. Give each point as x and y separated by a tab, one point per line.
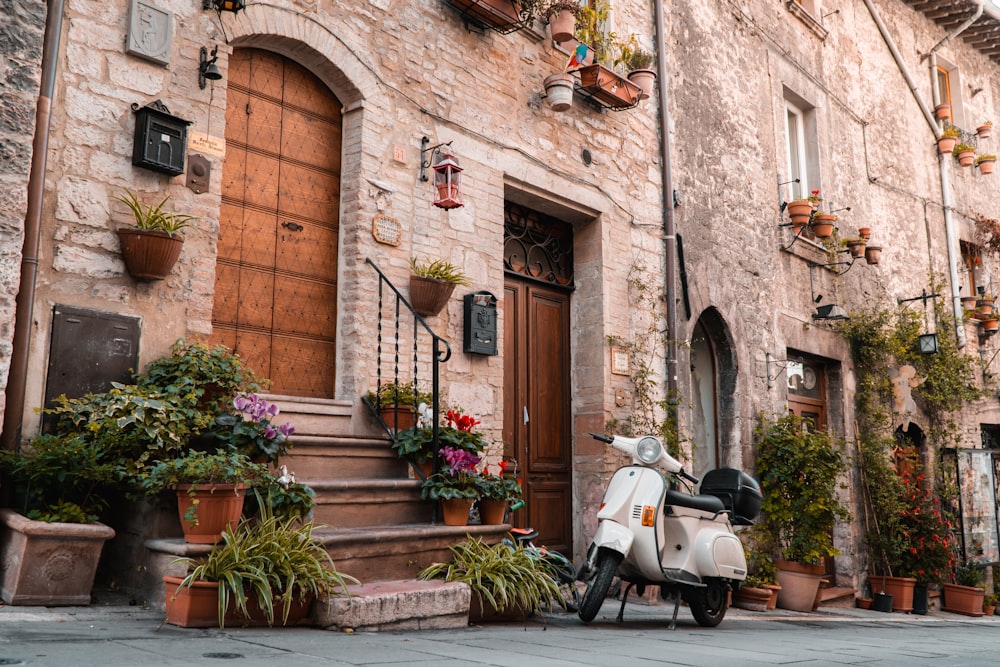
614	536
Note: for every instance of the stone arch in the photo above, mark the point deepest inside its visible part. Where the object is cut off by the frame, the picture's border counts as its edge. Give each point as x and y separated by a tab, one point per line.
716	404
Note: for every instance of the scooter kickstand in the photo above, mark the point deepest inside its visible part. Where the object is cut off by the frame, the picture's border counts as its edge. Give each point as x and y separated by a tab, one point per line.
677	606
621	611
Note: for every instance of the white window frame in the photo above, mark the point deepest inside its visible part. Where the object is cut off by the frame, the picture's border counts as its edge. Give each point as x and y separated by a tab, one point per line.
796	160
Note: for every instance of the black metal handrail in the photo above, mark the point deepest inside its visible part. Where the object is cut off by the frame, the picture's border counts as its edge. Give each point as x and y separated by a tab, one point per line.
441	352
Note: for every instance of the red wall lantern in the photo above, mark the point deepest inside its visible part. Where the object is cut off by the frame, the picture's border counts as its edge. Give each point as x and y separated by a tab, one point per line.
448	180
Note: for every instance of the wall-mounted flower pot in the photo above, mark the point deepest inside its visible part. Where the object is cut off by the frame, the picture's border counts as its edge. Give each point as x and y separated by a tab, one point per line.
799	211
856	248
946	144
873	254
986	166
149	254
984	131
645	79
966	158
503	16
559	91
822	225
990	325
429	295
943	111
562	25
865	233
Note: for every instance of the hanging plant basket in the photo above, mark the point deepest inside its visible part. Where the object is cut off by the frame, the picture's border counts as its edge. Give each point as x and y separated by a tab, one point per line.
559	91
856	248
873	254
429	295
966	158
149	254
645	79
608	88
947	144
984	131
986	166
943	111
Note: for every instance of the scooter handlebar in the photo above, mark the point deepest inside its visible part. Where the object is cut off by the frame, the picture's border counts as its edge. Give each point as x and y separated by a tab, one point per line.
603	438
685	475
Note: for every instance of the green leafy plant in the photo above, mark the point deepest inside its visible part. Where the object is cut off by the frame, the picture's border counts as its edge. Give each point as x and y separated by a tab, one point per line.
417	443
962	147
501	575
758	545
592	30
153	217
438	270
249	430
633	56
458	479
276	560
283	497
969	573
988	157
203	469
217	373
951	131
62	478
498	486
398	393
552	8
799	469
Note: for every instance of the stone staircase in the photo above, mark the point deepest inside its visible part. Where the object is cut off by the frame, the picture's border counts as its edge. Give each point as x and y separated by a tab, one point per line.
372	521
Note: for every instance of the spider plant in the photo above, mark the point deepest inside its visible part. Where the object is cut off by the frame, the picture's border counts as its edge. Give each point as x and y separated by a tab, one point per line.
153	217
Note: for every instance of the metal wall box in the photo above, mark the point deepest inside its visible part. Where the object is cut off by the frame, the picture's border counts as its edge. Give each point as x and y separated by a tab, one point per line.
89	350
160	139
480	323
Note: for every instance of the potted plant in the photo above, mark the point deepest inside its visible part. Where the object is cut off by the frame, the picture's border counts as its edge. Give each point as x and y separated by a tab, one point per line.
496	493
873	254
598	80
964	153
59	484
250	431
943	111
799	468
985	130
561	17
986	163
759	591
856	247
822	224
508	582
151	247
396	403
417	444
948	139
455	486
638	63
965	595
210	489
559	90
431	285
503	16
267	570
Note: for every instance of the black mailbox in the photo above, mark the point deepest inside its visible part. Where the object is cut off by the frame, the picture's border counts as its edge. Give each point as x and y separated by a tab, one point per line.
160	139
481	323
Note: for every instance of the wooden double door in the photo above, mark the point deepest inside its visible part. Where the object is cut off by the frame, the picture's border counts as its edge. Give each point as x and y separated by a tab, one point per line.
276	274
537	407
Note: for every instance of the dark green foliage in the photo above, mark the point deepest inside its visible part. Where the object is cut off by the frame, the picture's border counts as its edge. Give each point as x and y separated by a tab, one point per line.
799	469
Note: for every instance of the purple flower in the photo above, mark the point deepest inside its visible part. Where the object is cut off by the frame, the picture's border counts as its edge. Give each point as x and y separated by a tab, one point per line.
286	429
240	403
272	409
270	433
459	460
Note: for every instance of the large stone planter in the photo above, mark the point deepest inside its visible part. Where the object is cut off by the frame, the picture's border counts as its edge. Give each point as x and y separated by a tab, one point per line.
51	564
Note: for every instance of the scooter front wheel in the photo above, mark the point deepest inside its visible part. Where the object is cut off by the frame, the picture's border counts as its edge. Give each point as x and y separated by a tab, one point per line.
607	565
708	605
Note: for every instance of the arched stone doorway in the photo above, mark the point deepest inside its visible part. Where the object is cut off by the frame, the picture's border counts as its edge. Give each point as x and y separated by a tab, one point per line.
713	394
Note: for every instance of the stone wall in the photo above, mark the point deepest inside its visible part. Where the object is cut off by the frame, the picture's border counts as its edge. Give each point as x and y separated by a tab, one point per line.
20	73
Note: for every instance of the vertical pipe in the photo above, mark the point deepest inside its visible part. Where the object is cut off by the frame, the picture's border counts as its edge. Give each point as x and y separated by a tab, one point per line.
13	415
669	234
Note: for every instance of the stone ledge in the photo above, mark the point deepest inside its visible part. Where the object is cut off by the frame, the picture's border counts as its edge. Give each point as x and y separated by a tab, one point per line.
397	605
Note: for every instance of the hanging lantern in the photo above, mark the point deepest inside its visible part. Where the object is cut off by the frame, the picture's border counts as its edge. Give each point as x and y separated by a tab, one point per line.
447	179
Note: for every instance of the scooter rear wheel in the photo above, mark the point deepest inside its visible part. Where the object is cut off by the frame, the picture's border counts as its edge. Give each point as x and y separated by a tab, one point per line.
607	565
708	605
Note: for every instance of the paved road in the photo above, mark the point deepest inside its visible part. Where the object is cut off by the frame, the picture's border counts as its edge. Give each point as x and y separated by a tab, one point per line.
119	636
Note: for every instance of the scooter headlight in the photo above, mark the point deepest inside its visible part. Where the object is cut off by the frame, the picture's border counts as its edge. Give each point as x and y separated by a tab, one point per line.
649	450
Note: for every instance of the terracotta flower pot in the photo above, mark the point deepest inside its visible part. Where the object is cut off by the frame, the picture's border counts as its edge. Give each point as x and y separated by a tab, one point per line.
865	233
990	325
559	91
608	88
195	606
943	111
148	254
946	144
822	225
752	598
212	508
455	511
856	248
966	158
900	588
873	254
863	603
984	131
965	600
986	166
562	25
645	79
492	512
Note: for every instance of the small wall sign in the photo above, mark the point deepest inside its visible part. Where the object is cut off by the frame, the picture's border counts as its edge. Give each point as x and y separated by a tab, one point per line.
387	230
619	361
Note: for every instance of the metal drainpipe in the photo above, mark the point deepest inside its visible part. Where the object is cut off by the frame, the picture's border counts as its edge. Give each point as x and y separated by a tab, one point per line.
943	165
669	236
17	379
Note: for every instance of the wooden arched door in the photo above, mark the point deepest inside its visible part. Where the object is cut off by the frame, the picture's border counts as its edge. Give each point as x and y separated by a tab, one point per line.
276	276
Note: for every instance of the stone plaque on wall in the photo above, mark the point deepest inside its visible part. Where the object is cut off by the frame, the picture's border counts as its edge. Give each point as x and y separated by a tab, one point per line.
150	31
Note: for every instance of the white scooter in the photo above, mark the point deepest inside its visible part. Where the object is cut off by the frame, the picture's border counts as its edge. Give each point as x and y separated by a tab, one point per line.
649	534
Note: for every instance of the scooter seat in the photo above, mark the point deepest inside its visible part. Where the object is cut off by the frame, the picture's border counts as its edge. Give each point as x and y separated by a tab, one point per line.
703	502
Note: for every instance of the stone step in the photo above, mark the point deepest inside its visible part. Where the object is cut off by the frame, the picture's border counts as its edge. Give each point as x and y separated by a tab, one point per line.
313	416
836	596
352	503
396	605
387	553
314	457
